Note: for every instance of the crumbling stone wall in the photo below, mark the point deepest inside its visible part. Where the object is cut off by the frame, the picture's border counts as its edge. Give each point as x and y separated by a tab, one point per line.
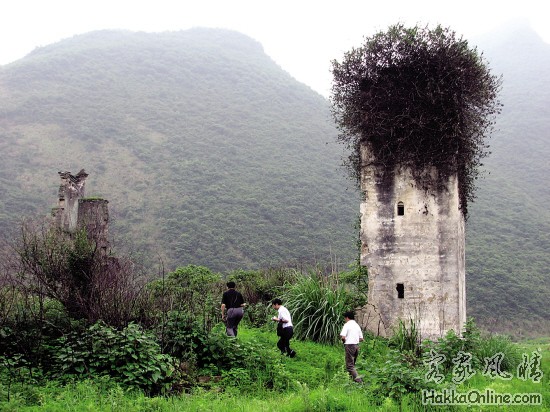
75	212
93	215
71	189
413	241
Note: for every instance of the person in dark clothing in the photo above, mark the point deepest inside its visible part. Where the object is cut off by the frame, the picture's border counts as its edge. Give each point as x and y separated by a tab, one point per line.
233	302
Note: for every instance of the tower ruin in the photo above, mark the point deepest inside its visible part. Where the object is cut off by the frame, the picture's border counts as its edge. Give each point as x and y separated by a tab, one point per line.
412	242
75	211
414	106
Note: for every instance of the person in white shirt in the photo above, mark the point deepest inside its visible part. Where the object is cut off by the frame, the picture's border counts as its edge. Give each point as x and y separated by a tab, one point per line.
351	336
285	330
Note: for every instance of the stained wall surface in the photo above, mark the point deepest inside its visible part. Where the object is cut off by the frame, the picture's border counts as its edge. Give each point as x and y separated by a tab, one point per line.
71	190
413	243
93	215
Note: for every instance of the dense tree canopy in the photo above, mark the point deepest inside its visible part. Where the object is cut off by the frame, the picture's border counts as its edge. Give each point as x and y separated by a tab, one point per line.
196	137
417	97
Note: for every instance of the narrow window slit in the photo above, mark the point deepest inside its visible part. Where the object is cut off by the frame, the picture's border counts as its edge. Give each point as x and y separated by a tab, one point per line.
400	290
400	209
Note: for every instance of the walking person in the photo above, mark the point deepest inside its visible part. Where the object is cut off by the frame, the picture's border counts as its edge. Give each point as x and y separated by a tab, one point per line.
351	336
233	302
285	330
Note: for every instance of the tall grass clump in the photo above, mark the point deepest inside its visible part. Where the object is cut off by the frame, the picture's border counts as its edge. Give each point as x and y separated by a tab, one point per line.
317	304
484	348
493	345
407	337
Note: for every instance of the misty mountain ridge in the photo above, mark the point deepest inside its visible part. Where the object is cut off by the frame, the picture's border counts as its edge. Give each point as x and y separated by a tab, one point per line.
211	154
197	138
507	237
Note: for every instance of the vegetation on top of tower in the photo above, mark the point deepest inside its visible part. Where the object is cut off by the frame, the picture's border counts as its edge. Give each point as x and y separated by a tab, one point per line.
417	98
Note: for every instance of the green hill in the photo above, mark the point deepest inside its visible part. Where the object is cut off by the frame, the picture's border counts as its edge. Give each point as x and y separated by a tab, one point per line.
208	151
508	232
211	154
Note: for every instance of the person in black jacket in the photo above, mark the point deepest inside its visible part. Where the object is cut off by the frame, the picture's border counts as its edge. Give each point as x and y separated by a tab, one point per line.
233	302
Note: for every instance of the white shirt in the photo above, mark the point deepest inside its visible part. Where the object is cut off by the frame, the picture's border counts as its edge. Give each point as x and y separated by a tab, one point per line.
284	314
352	332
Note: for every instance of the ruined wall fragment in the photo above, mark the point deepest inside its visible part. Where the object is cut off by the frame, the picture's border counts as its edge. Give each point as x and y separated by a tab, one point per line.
71	189
75	211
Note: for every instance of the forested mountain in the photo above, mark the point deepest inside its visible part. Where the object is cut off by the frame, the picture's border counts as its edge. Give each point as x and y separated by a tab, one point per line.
508	232
208	152
211	154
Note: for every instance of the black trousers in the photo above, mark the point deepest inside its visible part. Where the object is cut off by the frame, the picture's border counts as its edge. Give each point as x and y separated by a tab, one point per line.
284	340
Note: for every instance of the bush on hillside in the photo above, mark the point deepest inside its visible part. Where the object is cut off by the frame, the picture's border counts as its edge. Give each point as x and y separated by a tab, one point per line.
71	269
191	290
317	303
131	356
245	361
258	288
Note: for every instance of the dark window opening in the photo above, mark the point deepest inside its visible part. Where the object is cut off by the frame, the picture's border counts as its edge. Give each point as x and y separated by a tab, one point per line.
400	291
400	209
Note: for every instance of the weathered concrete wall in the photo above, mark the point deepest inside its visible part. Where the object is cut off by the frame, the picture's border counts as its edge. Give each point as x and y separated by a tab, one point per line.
71	189
422	250
93	215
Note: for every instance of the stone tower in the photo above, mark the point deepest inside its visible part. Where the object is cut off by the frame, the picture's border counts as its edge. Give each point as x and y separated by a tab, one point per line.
71	190
412	243
75	212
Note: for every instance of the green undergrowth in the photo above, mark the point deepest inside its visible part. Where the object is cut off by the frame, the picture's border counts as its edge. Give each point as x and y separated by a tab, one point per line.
315	380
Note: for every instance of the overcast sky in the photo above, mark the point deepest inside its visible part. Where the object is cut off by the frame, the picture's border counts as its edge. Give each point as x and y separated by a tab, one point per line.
302	36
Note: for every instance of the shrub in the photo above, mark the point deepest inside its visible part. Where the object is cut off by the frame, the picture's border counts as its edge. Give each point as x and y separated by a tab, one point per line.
237	377
130	356
482	348
181	335
407	338
252	284
395	378
191	289
227	357
218	352
495	344
449	346
18	379
258	288
31	330
417	98
317	307
258	314
70	268
357	277
261	285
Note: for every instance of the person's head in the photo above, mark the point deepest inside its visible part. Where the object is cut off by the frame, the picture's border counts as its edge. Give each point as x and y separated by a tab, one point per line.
276	303
349	315
231	285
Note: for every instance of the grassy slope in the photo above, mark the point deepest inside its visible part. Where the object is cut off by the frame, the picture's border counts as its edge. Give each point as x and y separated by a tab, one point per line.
320	383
